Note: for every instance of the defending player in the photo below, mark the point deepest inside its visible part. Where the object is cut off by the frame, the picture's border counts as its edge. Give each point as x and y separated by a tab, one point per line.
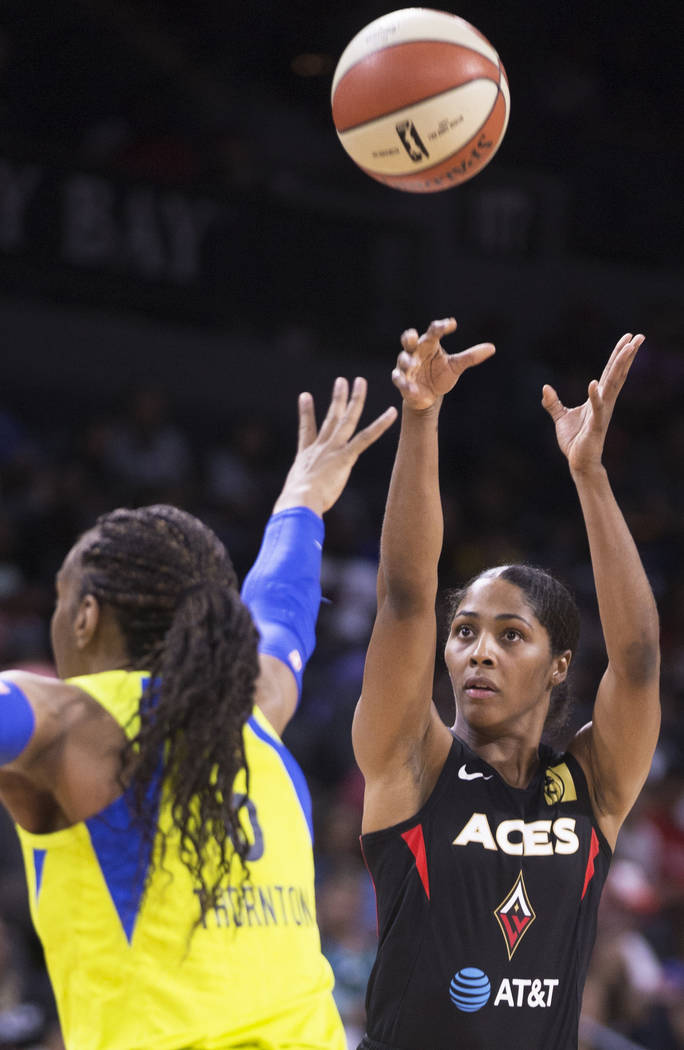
488	852
166	830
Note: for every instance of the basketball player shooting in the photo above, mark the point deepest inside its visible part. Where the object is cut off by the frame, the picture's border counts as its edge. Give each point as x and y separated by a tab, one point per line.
488	851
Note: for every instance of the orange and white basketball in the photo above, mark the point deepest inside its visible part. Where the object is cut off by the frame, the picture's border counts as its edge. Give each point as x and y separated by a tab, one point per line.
420	100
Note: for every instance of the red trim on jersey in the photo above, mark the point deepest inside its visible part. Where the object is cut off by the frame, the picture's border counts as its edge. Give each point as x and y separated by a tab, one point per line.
593	851
416	843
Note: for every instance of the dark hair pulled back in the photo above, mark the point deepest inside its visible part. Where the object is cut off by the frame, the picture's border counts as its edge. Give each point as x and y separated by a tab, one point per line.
555	608
172	587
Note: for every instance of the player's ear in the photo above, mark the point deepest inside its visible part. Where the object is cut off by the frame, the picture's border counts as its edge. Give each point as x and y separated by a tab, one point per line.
87	621
560	667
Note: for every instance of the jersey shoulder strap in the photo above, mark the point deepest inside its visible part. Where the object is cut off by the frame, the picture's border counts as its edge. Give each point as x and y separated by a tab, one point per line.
118	692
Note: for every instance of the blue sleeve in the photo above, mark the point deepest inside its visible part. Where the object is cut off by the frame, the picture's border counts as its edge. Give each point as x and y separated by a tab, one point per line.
282	590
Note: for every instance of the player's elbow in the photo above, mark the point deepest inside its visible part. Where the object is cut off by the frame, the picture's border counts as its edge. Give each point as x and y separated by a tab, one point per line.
408	597
639	663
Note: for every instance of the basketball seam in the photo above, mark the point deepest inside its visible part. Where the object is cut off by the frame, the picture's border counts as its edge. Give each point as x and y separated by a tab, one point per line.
403	43
420	101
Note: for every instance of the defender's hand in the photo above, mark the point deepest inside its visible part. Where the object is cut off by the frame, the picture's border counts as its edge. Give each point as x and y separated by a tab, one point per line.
325	458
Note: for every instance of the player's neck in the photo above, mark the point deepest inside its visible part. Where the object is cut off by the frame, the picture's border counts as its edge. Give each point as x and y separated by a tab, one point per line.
515	758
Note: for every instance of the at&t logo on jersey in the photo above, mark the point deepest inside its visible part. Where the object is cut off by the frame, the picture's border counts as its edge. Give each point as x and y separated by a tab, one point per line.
471	989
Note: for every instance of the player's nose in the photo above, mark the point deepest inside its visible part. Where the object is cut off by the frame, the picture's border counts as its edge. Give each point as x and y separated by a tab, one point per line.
482	651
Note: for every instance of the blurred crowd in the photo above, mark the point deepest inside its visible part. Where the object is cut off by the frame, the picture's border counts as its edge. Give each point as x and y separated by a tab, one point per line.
234	99
506	496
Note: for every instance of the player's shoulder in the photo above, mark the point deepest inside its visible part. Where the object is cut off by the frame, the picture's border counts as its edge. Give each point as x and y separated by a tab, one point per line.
33	685
565	774
47	693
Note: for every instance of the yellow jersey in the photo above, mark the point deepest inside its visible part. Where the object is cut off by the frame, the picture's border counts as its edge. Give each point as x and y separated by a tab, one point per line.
127	969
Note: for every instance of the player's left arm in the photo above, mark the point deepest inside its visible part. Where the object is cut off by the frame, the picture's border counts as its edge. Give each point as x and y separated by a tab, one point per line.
616	748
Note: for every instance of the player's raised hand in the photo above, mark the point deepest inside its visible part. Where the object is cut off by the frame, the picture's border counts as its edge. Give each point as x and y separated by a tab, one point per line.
425	372
581	431
325	457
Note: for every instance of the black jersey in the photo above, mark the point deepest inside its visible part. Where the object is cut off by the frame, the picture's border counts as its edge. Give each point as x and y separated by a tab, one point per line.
487	903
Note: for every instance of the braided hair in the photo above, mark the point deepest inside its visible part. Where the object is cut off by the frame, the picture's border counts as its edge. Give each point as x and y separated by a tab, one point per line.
556	609
173	590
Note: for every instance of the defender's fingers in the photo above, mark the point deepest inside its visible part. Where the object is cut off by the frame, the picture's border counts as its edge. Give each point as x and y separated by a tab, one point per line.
336	408
348	422
361	441
307	421
552	403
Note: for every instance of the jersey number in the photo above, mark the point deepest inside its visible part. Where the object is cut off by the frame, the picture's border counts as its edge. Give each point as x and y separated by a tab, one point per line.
256	850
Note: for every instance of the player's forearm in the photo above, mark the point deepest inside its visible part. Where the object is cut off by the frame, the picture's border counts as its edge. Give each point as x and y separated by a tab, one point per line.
627	608
412	530
282	590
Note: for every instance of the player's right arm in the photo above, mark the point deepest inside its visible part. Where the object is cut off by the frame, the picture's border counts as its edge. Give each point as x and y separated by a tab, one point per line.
400	742
55	743
282	590
31	719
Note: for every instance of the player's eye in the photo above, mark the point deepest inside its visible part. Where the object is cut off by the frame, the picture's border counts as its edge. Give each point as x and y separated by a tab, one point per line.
511	634
464	630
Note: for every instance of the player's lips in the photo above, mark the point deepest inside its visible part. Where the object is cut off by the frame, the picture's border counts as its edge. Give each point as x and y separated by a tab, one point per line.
478	687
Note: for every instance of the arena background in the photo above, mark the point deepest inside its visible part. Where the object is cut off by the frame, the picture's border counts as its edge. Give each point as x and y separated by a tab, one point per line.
184	246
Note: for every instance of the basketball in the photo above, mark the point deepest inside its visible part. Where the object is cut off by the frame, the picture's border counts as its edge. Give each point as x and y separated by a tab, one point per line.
420	100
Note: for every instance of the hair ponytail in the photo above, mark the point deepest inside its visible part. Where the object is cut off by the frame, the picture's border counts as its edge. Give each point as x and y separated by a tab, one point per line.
174	592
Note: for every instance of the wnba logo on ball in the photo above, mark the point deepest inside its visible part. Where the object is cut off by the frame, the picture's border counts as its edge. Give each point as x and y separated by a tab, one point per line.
470	989
411	140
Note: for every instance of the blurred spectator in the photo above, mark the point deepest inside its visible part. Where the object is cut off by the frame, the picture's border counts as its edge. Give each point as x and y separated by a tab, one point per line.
627	988
348	942
146	450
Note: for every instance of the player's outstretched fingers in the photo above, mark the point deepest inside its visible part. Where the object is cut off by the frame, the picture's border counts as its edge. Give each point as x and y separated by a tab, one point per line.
307	421
406	361
616	371
409	338
354	408
552	403
399	379
438	329
596	400
474	355
622	342
430	340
